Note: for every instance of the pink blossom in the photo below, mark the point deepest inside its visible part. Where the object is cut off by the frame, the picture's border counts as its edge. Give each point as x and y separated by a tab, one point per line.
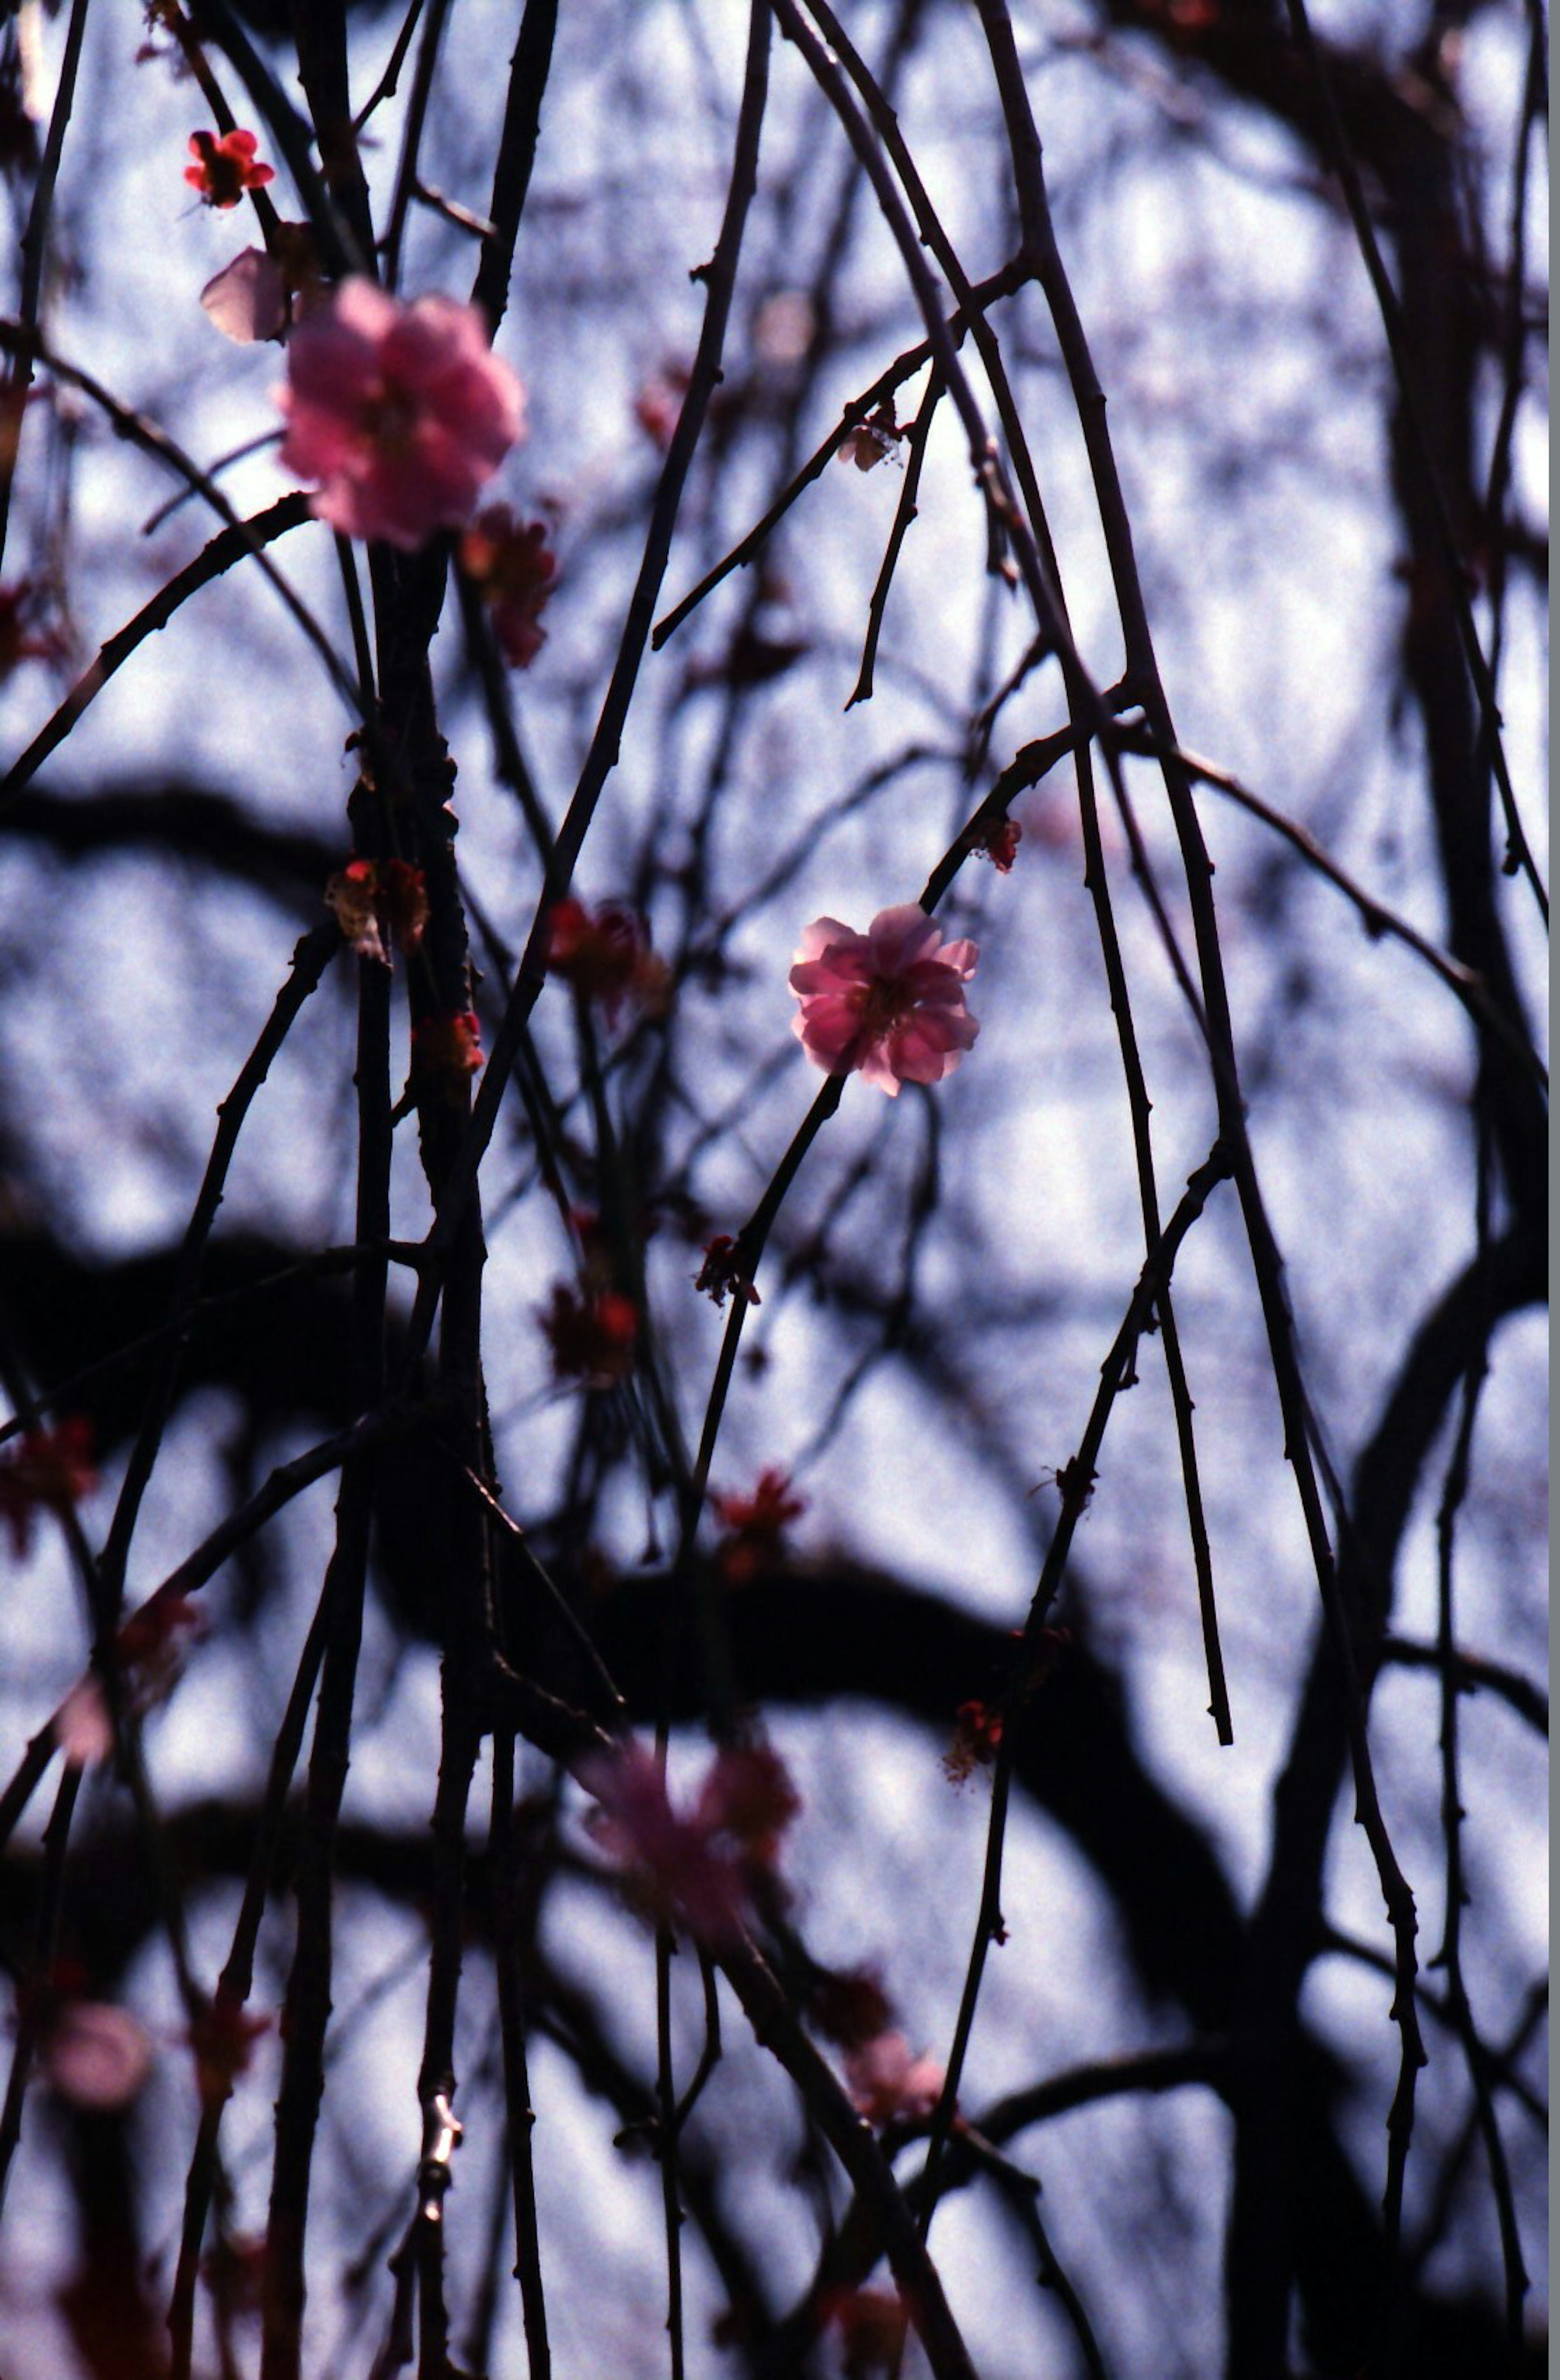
247	299
514	569
401	412
889	1004
225	168
95	2056
698	1868
887	2085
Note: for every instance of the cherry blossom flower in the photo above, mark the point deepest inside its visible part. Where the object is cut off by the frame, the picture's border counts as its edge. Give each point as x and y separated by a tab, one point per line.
514	570
591	1337
401	412
225	168
94	2054
375	900
699	1869
606	957
755	1524
258	295
887	1004
887	2085
45	1471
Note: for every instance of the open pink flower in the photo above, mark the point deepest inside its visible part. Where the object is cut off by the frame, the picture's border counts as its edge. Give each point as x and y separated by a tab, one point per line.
94	2054
225	168
887	1004
401	413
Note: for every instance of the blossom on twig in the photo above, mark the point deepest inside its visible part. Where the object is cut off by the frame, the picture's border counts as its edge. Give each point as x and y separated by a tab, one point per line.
257	295
887	2085
698	1869
401	412
93	2054
448	1048
606	957
755	1526
45	1471
514	570
887	1004
149	1650
225	168
592	1336
721	1272
374	900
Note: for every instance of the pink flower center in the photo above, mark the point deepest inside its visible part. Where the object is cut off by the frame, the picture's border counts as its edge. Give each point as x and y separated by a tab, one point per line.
888	1002
391	419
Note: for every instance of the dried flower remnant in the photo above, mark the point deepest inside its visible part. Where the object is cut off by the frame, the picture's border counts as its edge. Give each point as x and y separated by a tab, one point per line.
45	1471
997	840
756	1526
514	570
379	904
977	1732
887	2085
401	412
720	1274
701	1869
225	168
872	441
887	1004
606	957
592	1336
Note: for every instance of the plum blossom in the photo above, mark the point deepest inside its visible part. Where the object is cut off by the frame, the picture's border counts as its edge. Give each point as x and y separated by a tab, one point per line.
755	1526
401	412
257	295
225	168
606	957
887	2085
45	1471
699	1868
887	1004
512	568
94	2054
